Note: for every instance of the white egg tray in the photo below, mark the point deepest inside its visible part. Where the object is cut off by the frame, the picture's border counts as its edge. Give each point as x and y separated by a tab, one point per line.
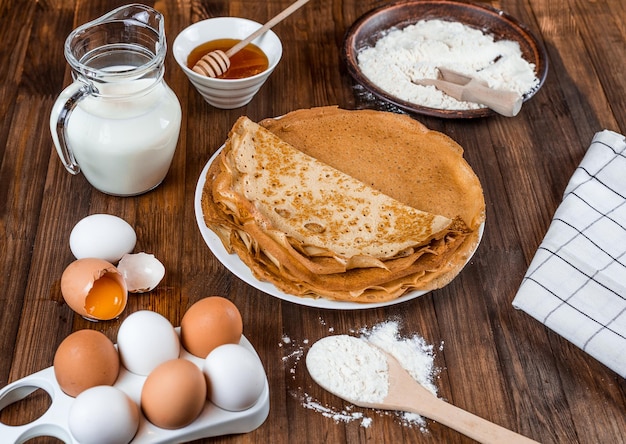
211	422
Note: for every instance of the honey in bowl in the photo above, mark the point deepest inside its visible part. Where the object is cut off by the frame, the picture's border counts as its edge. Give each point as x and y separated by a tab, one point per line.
249	61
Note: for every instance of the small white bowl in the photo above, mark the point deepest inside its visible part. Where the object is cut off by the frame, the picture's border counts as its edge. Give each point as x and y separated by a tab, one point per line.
226	93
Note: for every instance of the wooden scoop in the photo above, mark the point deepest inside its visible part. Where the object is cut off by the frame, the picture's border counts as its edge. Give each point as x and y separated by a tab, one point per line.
217	62
406	394
469	89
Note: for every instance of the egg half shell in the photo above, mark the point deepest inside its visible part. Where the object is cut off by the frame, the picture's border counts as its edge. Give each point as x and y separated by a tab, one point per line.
94	289
103	236
142	271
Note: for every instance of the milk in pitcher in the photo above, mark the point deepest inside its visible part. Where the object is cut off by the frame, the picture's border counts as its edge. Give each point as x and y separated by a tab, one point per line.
118	122
124	141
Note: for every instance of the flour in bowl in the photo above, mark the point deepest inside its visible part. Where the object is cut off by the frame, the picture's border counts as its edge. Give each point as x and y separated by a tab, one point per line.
416	51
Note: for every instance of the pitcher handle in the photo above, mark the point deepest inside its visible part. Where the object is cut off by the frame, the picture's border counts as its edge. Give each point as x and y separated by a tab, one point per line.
59	118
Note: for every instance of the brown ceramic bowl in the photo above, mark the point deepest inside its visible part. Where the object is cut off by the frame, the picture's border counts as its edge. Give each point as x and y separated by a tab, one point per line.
366	31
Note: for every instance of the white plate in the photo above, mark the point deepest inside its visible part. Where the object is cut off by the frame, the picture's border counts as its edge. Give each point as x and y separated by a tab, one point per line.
241	270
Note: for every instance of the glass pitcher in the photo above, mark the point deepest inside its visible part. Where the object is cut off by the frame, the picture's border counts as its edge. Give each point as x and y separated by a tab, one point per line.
118	122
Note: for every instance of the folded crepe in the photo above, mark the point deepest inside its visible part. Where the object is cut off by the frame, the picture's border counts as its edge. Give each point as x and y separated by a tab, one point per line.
313	229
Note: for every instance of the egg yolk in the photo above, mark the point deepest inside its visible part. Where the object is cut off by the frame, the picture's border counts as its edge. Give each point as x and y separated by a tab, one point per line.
105	299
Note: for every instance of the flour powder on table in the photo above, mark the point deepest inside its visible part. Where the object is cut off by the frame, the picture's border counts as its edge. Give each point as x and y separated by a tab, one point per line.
416	51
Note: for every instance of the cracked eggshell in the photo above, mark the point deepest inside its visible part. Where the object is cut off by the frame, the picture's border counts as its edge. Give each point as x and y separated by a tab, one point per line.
103	236
94	289
142	272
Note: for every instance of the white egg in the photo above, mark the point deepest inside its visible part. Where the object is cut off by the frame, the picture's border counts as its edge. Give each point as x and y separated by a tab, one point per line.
103	415
235	377
146	339
102	236
142	272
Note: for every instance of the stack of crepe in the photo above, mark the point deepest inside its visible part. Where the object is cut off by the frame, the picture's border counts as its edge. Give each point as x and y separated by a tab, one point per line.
359	206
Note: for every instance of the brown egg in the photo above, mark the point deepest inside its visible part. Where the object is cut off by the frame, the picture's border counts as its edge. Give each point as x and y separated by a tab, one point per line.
173	394
94	289
209	323
85	359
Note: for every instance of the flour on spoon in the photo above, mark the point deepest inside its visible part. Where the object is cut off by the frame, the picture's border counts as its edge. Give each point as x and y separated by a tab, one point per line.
356	369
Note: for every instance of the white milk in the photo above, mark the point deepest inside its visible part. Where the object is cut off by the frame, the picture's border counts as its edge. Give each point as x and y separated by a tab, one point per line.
125	139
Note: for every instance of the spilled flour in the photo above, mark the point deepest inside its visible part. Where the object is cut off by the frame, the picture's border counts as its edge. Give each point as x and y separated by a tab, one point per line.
413	353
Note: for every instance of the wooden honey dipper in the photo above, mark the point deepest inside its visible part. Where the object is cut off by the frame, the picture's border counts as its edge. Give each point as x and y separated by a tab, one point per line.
217	62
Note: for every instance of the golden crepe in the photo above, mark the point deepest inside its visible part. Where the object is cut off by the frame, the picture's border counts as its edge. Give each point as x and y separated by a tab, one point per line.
317	229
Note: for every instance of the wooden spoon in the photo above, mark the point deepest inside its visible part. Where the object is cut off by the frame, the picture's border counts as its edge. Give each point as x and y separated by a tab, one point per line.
406	394
217	62
468	89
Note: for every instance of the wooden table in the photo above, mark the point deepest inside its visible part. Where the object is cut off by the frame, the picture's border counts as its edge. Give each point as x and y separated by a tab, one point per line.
495	361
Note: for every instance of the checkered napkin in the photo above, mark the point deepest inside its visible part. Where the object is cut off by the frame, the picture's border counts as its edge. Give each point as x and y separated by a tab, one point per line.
576	283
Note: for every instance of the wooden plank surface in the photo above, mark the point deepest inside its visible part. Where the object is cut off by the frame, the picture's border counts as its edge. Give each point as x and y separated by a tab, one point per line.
494	361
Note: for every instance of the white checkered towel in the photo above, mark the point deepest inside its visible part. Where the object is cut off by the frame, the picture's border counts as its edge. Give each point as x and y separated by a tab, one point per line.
576	283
